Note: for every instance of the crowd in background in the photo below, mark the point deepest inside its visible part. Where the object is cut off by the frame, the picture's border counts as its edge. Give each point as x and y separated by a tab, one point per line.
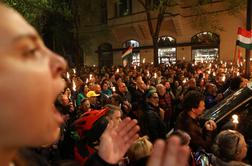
162	98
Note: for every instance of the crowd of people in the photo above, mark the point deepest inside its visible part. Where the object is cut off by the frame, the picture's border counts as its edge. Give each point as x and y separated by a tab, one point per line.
93	124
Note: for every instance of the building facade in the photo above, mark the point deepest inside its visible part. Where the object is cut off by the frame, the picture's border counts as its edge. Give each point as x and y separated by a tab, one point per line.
107	27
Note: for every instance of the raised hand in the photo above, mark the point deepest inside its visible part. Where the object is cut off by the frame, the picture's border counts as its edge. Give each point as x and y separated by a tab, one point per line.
169	153
115	141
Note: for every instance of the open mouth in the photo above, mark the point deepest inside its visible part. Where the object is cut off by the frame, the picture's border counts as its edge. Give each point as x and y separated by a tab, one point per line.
58	112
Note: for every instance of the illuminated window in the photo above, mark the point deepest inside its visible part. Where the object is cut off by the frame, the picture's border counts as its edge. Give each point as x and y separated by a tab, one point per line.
135	56
205	47
167	50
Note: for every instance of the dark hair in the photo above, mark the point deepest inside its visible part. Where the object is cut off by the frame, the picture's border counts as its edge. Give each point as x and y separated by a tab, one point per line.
235	83
192	100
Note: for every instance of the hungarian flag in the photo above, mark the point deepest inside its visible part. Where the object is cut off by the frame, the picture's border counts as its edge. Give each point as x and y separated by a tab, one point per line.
127	52
244	38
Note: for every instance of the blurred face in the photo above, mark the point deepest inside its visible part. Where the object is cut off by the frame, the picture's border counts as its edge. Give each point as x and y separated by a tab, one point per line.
154	99
161	90
243	152
122	87
116	117
105	86
198	111
30	81
86	105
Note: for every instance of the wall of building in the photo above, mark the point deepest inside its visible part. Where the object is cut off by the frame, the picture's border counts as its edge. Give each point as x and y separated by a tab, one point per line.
181	27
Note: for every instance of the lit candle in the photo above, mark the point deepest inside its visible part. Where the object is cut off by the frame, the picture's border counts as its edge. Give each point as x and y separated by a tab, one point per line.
68	76
238	74
214	74
113	88
152	63
221	62
184	81
74	86
117	70
86	80
183	58
90	76
223	78
148	73
74	71
235	119
155	75
143	60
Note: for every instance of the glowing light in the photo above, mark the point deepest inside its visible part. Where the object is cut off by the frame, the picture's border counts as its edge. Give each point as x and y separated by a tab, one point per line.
221	62
74	71
68	75
74	86
223	78
117	70
113	88
214	74
134	67
143	60
87	80
235	119
155	75
183	58
148	73
238	74
184	81
90	76
152	63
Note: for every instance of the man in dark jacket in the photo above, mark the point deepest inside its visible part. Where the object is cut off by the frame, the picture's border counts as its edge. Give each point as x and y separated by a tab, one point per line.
188	121
150	121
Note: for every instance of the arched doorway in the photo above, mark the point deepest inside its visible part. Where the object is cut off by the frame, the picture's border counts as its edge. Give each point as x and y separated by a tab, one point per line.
135	57
167	50
205	47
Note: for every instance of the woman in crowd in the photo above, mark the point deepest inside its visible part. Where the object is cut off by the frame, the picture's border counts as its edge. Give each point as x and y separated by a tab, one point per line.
28	117
230	149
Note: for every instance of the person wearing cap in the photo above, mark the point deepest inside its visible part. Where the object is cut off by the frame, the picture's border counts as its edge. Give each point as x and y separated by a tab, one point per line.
150	122
94	104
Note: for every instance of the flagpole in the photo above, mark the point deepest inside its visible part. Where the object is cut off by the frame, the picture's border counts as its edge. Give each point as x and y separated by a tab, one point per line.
235	54
249	15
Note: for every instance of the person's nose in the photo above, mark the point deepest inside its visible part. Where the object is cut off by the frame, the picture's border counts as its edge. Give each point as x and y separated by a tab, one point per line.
58	65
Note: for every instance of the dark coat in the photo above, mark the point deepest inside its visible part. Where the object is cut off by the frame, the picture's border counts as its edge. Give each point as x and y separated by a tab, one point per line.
151	124
200	138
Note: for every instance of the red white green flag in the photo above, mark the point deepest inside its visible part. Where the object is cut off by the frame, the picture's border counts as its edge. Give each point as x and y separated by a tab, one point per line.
244	38
127	52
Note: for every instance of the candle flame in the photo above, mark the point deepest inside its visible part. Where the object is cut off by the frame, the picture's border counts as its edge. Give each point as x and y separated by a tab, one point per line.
143	60
235	119
68	76
74	86
74	71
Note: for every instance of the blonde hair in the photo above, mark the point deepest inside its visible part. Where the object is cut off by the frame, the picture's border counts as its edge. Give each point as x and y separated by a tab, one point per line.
141	148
